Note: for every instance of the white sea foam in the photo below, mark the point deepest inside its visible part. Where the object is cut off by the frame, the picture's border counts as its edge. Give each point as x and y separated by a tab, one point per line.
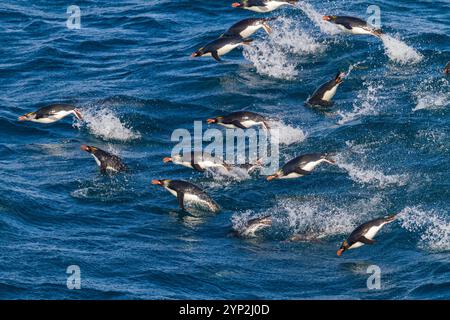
271	55
366	103
399	52
432	94
286	134
316	18
106	124
432	227
364	174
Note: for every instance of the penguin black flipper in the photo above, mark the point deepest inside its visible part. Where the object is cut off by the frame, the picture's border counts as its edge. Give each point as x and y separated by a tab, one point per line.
197	167
302	172
238	124
365	240
103	168
180	198
215	55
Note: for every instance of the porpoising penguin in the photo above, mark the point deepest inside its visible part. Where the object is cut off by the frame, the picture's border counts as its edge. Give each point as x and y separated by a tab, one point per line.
364	234
241	120
51	113
301	166
262	6
326	92
105	160
245	28
353	25
220	47
198	161
188	192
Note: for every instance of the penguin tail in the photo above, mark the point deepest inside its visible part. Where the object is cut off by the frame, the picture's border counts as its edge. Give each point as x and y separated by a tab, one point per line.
78	114
378	33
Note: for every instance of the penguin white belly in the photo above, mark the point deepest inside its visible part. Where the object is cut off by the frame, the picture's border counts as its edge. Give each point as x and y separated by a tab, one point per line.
96	160
356	245
229	126
227	48
310	166
111	169
360	30
54	117
249	123
291	175
173	192
210	164
247	32
372	232
328	95
45	120
259	9
273	5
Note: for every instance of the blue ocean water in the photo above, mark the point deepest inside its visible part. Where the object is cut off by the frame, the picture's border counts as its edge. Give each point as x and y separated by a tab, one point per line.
129	71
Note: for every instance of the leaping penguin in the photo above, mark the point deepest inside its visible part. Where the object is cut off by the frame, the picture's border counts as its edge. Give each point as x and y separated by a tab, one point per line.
245	28
323	95
253	226
105	160
188	192
262	6
353	25
241	120
51	113
301	166
198	161
364	234
221	46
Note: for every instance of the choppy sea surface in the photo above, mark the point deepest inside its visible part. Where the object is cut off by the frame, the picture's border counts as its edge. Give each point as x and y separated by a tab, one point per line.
128	69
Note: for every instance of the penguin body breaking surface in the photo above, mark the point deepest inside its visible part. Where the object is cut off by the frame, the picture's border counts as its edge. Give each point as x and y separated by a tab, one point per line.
240	120
255	225
188	192
105	160
364	234
198	161
245	28
326	92
262	6
51	113
353	25
221	46
301	166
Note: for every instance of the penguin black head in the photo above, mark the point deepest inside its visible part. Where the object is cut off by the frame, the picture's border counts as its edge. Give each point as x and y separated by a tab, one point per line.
198	53
214	120
28	116
329	18
345	246
162	182
89	149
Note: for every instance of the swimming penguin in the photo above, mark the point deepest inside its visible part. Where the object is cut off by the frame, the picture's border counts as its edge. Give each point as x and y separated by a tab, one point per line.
245	28
188	192
364	234
241	120
221	46
255	225
326	92
262	6
198	161
447	68
51	113
105	160
301	166
353	25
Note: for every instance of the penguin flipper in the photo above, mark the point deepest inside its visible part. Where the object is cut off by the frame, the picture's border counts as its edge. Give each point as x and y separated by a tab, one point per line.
197	167
236	123
103	168
365	240
302	172
180	198
215	55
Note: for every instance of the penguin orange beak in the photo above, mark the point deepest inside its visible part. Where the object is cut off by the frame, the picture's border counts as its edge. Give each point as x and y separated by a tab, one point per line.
236	5
158	182
22	118
85	148
326	18
339	252
167	159
211	121
270	178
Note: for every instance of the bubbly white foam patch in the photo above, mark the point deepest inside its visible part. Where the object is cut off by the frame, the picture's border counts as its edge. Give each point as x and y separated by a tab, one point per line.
366	103
432	227
432	94
285	133
106	124
316	18
271	55
399	52
365	174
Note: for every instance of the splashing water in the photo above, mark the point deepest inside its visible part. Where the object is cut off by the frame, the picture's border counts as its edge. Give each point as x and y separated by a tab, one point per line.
316	18
400	52
366	103
433	228
271	56
105	124
431	95
286	134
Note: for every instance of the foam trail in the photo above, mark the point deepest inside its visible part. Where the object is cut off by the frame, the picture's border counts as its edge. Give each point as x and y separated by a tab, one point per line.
432	95
285	133
316	18
365	104
400	52
105	124
433	228
271	56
